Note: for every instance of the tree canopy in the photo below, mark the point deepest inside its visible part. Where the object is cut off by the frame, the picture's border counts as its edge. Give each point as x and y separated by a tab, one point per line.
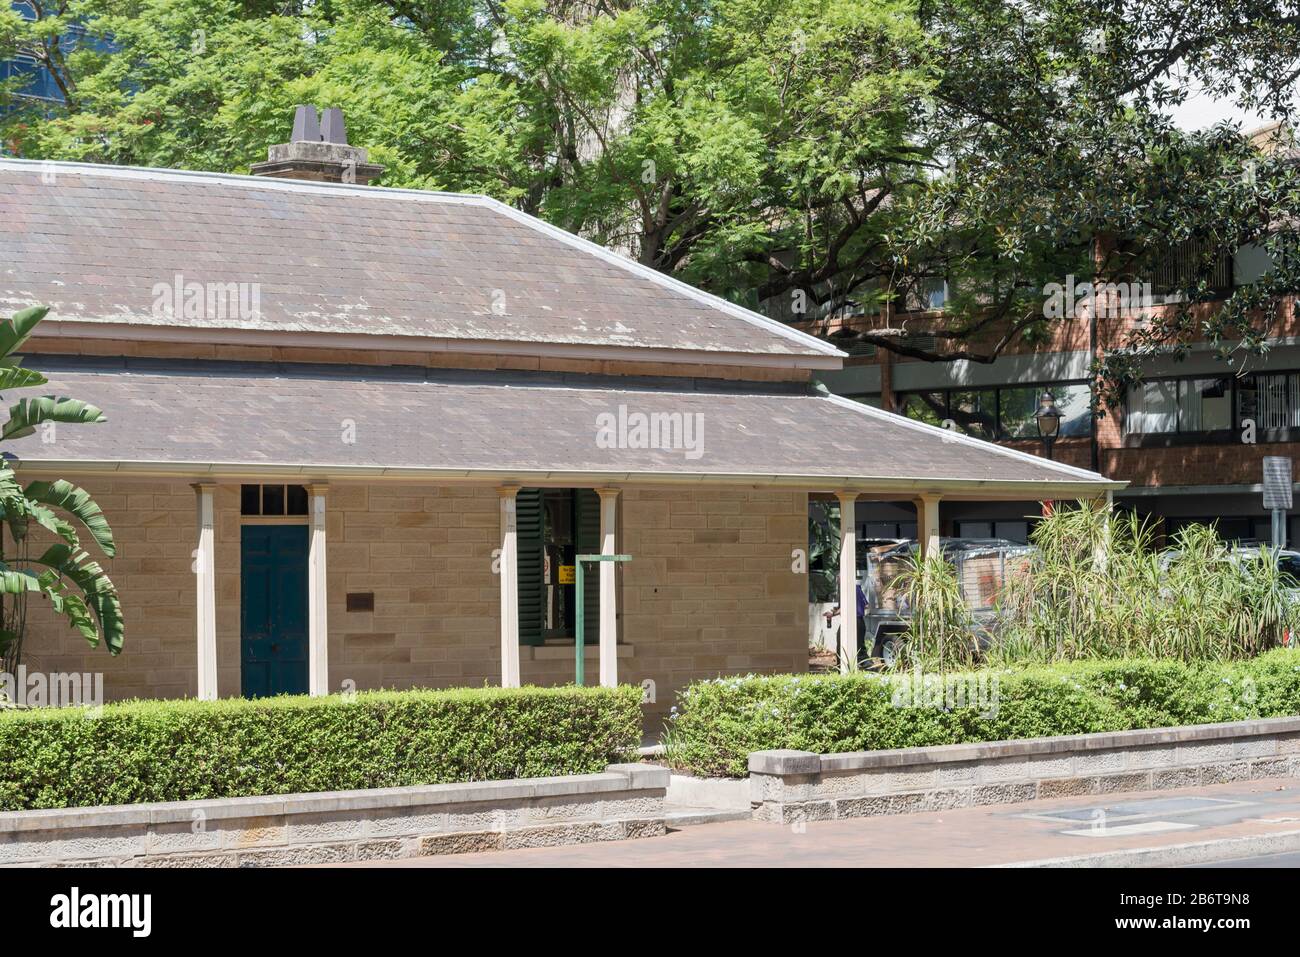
801	157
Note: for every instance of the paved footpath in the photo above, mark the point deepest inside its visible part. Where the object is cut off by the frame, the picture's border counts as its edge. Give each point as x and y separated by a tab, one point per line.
967	837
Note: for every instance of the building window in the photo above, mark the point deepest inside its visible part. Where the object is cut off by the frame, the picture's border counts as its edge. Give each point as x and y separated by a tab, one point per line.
1014	530
272	501
873	531
928	407
1273	401
1205	404
1004	413
1153	407
975	413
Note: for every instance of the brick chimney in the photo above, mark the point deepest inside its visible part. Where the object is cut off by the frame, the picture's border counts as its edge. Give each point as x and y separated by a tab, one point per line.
318	150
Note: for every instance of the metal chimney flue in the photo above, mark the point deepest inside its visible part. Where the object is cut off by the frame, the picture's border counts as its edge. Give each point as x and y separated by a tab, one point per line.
318	150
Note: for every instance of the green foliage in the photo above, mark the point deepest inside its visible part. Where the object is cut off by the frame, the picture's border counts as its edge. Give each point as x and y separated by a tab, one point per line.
58	569
823	552
801	155
1097	588
940	630
719	722
188	750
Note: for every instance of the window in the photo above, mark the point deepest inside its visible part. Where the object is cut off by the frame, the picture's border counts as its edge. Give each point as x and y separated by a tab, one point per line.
1019	406
874	530
1005	413
928	407
272	500
1273	401
1204	405
1015	530
976	413
1153	407
1179	405
1195	405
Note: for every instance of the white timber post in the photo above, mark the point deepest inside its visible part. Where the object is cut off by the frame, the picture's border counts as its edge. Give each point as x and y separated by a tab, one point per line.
608	588
927	524
205	574
509	563
848	581
318	634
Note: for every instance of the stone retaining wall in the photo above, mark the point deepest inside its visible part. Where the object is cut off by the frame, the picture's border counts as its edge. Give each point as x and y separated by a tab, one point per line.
792	786
626	801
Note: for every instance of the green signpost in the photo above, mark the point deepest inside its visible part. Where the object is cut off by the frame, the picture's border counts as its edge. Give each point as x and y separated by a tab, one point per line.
579	670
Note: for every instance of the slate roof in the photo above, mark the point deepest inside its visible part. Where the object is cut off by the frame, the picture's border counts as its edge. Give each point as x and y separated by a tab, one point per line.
219	417
92	242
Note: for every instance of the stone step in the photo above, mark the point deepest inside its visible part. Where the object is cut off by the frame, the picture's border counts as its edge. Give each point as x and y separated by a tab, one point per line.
676	815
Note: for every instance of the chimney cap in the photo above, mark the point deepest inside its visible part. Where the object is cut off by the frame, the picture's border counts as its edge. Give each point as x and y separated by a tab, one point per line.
318	153
306	127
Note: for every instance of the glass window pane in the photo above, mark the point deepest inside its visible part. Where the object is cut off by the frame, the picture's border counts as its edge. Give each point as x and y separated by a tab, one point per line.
1018	408
1204	405
1265	400
1153	407
975	412
929	407
250	500
1012	531
874	401
1075	403
297	500
272	499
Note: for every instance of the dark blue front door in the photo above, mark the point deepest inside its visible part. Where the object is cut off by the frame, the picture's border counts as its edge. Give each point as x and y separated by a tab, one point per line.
273	612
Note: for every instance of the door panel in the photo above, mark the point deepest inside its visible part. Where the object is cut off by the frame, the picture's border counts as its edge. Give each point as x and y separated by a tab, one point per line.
273	610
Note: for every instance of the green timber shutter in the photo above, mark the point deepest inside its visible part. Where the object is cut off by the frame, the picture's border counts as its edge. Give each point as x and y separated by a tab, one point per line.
532	593
587	532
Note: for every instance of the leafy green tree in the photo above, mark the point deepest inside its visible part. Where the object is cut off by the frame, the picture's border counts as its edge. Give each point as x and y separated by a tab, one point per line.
51	562
800	156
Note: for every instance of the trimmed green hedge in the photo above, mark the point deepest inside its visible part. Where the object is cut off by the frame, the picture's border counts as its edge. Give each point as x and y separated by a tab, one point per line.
719	722
185	750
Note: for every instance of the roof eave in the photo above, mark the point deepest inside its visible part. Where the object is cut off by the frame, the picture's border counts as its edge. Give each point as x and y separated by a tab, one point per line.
1020	490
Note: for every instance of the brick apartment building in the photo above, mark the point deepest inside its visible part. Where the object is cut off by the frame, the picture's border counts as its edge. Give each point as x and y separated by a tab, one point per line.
1183	437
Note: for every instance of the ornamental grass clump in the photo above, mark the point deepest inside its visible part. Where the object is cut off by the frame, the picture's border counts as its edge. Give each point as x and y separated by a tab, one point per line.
1097	588
941	630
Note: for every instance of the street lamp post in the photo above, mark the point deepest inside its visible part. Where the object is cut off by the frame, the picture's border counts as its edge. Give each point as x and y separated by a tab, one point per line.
1048	419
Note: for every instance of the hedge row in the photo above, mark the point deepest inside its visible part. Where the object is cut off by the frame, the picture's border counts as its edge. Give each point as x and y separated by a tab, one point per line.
719	722
184	750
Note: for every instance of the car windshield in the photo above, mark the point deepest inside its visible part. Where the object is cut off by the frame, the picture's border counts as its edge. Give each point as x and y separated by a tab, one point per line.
1289	566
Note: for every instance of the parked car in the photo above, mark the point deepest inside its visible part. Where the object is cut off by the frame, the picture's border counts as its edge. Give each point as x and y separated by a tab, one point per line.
1288	562
983	568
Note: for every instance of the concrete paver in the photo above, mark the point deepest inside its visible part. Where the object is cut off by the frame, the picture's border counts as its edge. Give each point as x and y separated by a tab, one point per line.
966	837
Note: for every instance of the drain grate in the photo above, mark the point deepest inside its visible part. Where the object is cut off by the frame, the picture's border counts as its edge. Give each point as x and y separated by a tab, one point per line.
1127	810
